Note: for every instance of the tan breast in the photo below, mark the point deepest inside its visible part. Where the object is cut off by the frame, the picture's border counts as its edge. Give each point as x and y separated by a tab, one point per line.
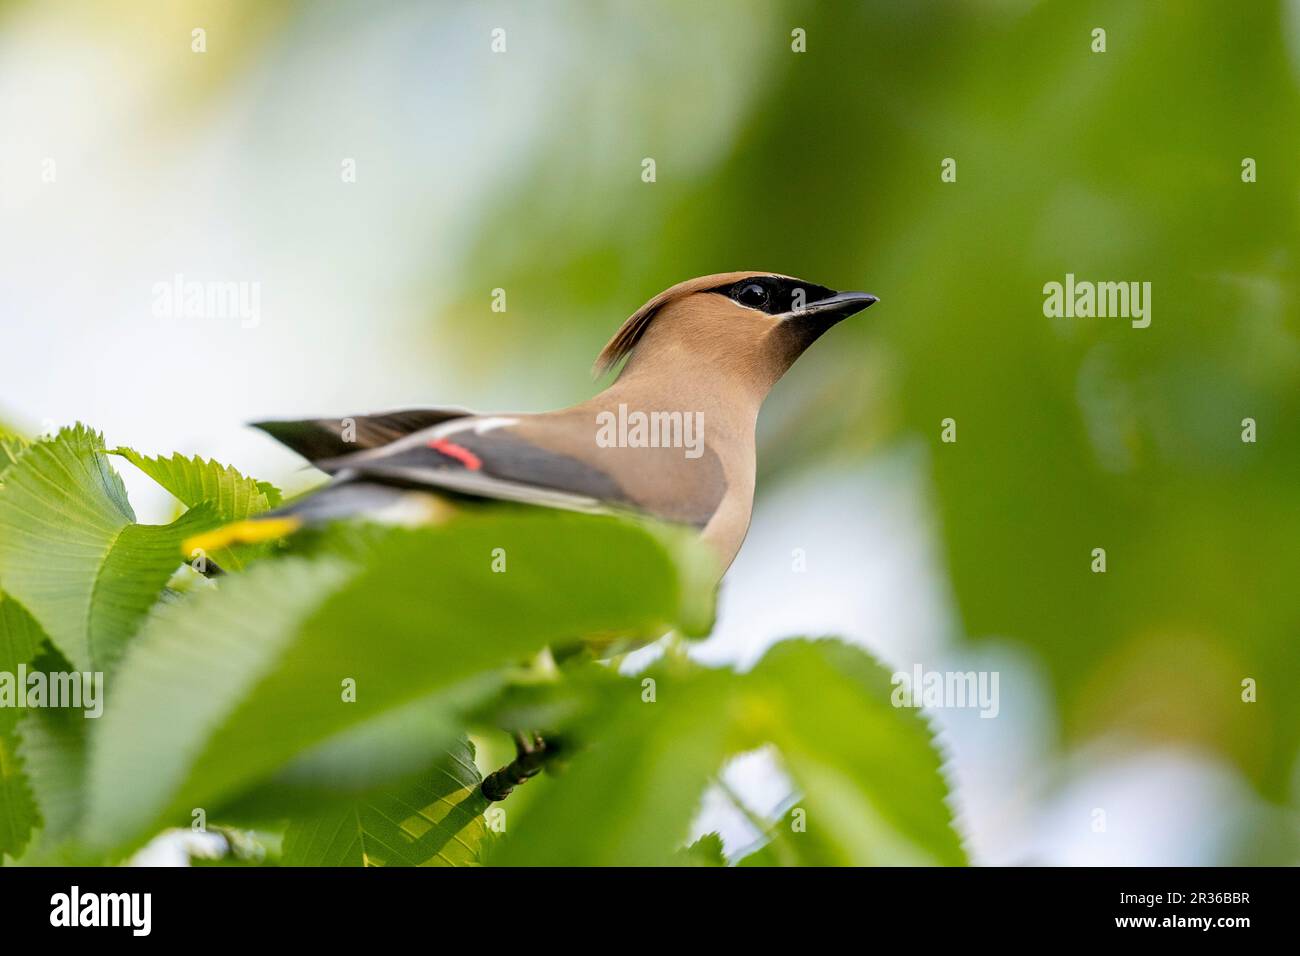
708	483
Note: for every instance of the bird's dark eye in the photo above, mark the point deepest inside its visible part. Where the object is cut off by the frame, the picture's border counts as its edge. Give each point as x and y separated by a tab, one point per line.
752	295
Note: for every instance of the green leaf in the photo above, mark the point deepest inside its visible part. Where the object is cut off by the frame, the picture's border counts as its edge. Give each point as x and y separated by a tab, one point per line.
193	663
10	450
706	851
435	820
627	796
873	788
52	748
697	576
225	689
767	855
20	639
230	495
18	813
71	552
374	755
196	480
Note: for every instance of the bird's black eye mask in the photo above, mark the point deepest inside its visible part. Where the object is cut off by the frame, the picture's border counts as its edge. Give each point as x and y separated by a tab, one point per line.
774	295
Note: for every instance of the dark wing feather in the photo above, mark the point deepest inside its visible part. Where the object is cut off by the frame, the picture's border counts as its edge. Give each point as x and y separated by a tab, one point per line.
320	438
494	464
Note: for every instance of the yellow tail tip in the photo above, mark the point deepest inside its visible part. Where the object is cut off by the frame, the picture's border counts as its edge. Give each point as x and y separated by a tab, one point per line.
241	532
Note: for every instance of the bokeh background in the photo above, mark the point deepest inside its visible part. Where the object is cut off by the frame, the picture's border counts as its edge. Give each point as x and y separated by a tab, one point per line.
475	170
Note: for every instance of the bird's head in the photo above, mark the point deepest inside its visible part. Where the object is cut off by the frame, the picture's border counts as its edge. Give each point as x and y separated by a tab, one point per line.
750	325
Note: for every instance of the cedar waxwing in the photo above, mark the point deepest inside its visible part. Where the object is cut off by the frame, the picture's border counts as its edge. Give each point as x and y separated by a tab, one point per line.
672	437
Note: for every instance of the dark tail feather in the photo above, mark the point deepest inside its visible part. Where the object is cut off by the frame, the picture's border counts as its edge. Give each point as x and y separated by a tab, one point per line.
318	438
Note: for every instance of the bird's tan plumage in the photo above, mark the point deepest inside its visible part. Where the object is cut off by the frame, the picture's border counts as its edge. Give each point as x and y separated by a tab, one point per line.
712	346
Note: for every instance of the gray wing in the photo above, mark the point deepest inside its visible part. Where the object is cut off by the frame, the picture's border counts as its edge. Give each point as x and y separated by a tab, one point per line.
496	463
460	462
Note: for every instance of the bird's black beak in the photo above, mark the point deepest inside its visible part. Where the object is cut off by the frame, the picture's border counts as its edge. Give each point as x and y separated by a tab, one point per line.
799	328
836	307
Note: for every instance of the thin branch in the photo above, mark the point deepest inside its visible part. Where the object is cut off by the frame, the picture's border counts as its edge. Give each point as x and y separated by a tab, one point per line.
531	756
